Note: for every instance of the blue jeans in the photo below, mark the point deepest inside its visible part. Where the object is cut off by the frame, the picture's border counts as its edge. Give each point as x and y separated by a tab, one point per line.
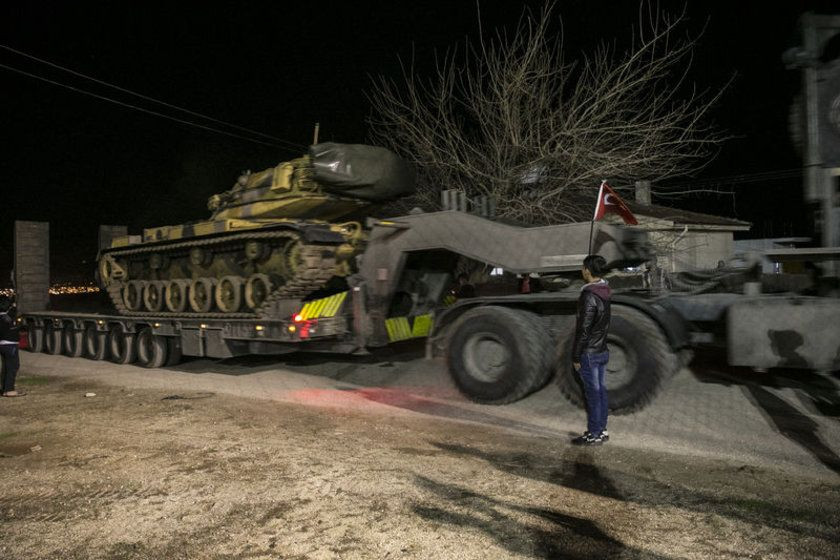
593	371
11	363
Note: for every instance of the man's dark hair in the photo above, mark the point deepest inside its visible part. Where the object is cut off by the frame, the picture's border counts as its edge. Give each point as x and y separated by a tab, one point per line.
596	265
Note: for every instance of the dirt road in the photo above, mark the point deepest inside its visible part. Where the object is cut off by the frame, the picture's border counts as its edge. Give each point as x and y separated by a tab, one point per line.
381	458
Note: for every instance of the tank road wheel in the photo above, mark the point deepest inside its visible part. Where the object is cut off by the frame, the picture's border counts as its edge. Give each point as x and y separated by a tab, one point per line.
229	294
121	345
293	258
153	295
72	340
175	295
498	355
36	337
257	289
201	294
52	339
151	348
95	343
132	294
640	361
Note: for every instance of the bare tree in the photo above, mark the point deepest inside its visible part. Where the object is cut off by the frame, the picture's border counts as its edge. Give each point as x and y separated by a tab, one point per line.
512	118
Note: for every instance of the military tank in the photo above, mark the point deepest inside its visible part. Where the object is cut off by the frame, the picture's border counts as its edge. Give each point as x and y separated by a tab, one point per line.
277	235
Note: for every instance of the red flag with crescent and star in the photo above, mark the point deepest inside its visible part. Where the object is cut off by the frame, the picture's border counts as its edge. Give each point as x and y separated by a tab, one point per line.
609	201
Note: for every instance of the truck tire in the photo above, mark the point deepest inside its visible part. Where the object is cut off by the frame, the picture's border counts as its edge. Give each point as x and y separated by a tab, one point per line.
95	343
52	339
35	335
72	340
640	361
497	355
151	348
121	347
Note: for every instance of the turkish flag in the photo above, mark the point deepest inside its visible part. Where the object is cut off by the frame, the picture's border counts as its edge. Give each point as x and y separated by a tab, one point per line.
609	201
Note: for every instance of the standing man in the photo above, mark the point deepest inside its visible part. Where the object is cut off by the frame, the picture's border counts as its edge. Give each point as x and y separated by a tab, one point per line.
9	339
590	355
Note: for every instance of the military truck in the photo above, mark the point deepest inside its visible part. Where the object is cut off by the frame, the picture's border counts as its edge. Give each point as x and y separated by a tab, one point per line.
392	285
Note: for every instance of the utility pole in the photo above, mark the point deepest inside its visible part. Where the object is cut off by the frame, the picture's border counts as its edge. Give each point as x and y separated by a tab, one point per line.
819	60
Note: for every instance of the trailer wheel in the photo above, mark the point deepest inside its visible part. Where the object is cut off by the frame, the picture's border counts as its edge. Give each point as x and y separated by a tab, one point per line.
121	345
640	361
151	348
36	337
174	354
72	340
52	339
498	355
95	343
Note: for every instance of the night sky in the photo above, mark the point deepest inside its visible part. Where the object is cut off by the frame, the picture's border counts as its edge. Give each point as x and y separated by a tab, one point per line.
77	161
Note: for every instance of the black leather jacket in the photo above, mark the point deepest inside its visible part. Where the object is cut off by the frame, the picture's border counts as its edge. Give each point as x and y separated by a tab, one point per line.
593	320
9	329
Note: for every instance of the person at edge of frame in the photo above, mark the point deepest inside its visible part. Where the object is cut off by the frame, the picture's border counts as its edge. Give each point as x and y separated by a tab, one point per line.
590	354
9	339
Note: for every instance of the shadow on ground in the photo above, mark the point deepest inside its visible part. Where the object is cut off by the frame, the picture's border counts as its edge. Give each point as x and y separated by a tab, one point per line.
577	469
538	532
817	393
340	365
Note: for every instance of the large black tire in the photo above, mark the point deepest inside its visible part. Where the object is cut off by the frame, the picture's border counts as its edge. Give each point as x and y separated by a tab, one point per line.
121	346
72	340
641	360
52	339
35	337
498	355
95	343
152	349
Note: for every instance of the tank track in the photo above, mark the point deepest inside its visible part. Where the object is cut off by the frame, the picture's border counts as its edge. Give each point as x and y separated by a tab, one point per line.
318	266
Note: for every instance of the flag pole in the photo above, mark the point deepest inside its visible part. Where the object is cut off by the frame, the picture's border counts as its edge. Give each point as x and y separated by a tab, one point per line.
592	221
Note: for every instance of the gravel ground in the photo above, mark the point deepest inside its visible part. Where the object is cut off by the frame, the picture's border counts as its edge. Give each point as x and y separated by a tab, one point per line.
380	458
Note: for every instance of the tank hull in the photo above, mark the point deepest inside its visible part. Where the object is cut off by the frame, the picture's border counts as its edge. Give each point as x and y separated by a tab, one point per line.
231	268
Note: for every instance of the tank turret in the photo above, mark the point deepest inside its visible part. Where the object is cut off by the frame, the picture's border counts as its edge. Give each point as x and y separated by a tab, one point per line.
332	181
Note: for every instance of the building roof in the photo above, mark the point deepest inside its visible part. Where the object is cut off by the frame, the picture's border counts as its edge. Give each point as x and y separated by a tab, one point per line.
676	216
684	217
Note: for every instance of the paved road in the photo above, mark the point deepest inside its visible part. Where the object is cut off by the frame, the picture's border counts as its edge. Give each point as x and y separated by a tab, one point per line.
786	421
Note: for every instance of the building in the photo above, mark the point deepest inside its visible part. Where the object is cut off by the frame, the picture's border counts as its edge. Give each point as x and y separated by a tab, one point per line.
684	240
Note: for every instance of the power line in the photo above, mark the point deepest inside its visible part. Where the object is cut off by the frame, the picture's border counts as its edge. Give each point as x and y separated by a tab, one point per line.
774	175
152	99
149	111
